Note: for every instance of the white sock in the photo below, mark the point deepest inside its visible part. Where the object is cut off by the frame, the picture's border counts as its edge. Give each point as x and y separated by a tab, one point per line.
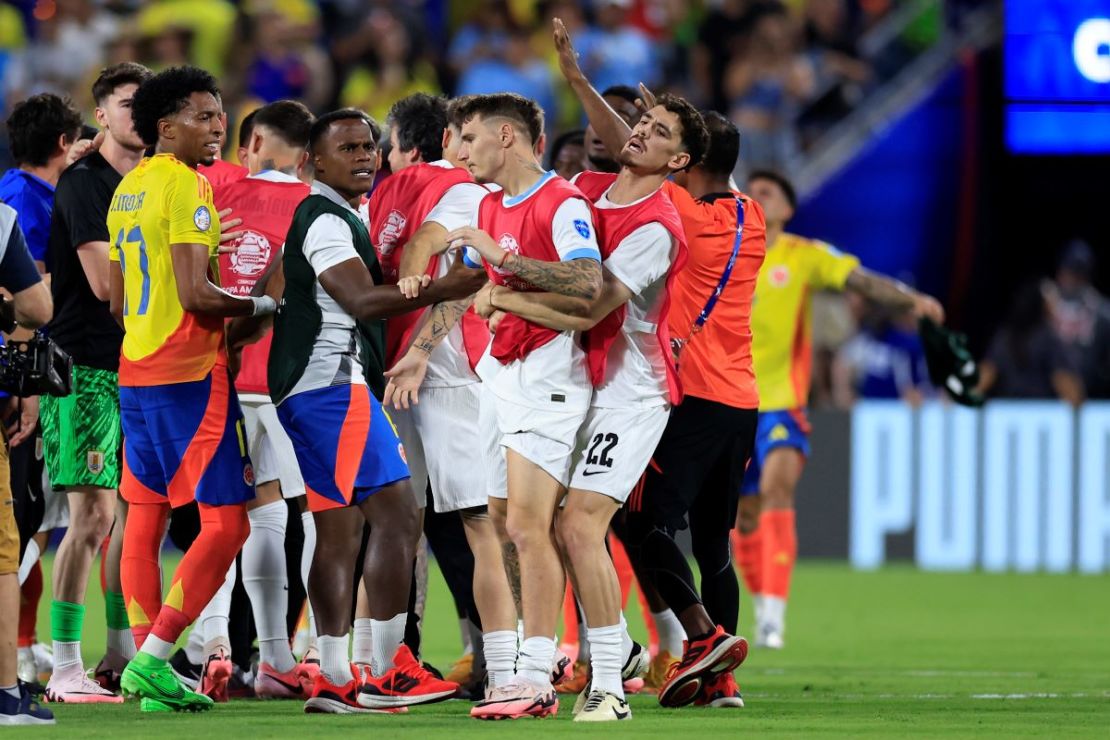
520	631
774	612
387	637
605	658
757	607
308	524
334	661
670	630
362	646
266	584
30	557
500	652
67	654
464	633
536	656
626	642
213	620
194	647
157	647
121	642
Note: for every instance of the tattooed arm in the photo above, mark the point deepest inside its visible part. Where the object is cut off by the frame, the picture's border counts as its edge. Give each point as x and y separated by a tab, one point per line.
894	294
404	378
580	278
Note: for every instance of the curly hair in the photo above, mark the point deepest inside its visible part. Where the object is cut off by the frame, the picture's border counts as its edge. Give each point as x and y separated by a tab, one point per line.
695	137
35	125
165	94
419	121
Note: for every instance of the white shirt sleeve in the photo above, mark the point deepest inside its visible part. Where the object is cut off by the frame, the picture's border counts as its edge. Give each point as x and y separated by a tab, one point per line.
328	242
458	207
642	258
573	232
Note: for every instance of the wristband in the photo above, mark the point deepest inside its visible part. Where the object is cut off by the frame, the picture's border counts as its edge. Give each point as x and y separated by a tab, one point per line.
263	305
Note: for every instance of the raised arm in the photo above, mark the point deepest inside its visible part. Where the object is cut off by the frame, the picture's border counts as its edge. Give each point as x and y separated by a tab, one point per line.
894	294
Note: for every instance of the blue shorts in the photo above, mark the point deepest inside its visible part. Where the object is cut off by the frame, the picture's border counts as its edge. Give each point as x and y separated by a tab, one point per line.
346	445
185	442
776	429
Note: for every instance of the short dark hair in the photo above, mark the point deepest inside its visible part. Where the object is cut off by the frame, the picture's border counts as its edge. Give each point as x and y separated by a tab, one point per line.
124	73
577	136
621	91
35	125
289	119
246	128
419	121
695	137
165	94
522	111
321	125
724	144
454	105
779	179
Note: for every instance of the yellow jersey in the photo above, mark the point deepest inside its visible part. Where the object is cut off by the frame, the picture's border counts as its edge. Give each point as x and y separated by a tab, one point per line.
781	321
162	202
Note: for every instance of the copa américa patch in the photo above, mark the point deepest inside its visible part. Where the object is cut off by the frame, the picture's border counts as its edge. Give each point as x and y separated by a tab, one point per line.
202	218
582	227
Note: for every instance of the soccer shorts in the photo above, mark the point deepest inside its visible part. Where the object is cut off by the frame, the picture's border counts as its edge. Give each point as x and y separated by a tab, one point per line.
699	460
543	437
81	431
775	429
497	474
346	445
270	449
9	531
185	441
438	438
614	447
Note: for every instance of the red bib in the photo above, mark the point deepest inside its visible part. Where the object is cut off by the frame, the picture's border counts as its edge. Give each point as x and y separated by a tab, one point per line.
266	208
397	208
614	225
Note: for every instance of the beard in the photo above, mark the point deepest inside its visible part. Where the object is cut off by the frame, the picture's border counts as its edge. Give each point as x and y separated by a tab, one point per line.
603	164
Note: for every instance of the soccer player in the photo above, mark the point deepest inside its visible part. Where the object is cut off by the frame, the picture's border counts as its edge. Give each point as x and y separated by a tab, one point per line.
631	366
348	451
183	430
545	240
81	431
411	213
31	306
265	202
695	473
795	267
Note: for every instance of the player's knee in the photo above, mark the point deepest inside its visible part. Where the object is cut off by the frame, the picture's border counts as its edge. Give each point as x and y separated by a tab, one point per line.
747	519
92	525
575	533
777	495
526	534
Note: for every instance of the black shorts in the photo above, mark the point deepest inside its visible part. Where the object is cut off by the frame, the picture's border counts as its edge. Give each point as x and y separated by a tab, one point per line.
703	452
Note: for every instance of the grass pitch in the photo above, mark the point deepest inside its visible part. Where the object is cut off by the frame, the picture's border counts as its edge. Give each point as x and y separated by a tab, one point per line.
886	654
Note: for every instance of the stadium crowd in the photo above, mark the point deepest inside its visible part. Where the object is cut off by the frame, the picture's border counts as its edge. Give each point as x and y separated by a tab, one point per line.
237	331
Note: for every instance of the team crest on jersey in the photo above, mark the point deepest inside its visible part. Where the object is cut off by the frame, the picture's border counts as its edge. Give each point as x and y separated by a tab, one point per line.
582	228
509	243
779	433
94	461
391	231
202	218
251	255
779	276
248	474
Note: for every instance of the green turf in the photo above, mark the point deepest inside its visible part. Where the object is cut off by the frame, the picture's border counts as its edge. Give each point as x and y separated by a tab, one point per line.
891	653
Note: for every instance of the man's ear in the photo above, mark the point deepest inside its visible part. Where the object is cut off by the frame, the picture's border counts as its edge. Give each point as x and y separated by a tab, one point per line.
508	134
541	146
445	141
101	117
679	161
254	146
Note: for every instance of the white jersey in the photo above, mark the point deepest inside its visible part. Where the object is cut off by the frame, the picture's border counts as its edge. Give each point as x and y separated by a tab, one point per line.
334	359
449	364
636	368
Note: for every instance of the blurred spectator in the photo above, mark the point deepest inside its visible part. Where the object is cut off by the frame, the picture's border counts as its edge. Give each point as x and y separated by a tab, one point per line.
766	84
568	154
517	69
1026	359
1081	317
211	24
613	53
721	36
884	360
830	39
483	38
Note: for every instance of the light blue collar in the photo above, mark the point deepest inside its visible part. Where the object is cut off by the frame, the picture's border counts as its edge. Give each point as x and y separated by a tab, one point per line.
530	191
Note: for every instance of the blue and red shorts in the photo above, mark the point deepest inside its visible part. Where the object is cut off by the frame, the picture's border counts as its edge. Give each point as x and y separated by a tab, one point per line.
185	442
346	445
775	429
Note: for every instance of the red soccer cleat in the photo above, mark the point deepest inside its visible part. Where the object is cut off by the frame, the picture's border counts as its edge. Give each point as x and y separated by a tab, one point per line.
720	692
406	684
215	676
328	698
702	661
271	683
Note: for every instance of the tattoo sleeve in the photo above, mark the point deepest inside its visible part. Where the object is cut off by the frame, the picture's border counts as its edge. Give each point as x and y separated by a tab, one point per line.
579	278
442	317
512	570
881	289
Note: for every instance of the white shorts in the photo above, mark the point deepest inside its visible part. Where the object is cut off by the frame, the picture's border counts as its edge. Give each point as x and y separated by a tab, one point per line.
55	512
543	437
271	451
497	474
438	435
614	447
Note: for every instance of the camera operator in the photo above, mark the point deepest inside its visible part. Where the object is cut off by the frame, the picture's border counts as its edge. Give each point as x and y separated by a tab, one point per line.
31	306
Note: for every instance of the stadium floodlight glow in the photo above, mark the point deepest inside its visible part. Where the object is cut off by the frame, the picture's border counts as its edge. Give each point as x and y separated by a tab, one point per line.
1091	49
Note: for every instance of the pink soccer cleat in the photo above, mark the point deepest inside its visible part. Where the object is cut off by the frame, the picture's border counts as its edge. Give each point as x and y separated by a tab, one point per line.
71	685
516	699
270	683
